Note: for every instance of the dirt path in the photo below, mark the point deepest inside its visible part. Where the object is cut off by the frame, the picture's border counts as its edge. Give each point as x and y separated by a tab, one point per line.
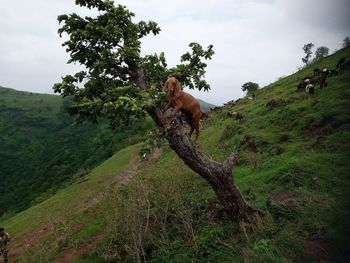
135	165
81	250
84	249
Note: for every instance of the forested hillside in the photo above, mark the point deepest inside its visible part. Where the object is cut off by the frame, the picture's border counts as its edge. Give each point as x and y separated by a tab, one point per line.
41	147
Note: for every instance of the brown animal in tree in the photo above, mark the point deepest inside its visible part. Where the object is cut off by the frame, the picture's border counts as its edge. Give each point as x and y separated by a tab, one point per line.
184	102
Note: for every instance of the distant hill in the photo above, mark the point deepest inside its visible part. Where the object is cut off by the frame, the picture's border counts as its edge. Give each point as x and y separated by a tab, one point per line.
293	164
205	106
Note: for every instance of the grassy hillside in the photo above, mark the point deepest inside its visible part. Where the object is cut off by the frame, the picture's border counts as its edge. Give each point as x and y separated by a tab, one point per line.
160	211
41	148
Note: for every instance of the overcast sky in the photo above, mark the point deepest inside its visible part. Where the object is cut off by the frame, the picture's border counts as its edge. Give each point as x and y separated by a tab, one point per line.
253	40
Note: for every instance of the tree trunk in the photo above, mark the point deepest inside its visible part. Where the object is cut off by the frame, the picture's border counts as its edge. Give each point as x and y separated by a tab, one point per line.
218	175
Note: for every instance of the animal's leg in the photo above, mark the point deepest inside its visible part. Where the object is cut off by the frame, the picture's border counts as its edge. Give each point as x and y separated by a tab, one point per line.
189	119
322	82
197	135
196	120
192	129
5	255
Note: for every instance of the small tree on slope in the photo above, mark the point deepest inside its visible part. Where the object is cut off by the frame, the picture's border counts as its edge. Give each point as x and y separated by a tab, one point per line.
307	48
320	53
250	87
121	85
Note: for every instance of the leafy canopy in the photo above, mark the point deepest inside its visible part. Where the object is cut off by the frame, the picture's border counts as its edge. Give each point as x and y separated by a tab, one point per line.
250	87
346	42
320	53
307	48
117	82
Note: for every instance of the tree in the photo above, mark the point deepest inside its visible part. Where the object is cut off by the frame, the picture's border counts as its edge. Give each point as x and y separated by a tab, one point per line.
308	52
250	87
321	52
346	42
121	85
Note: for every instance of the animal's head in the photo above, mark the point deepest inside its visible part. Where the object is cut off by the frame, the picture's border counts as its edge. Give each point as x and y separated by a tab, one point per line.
172	86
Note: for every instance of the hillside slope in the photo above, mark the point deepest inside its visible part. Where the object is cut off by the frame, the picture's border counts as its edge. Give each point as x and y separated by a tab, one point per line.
41	148
293	164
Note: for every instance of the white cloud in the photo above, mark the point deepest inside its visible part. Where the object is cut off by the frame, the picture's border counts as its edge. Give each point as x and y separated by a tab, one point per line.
253	40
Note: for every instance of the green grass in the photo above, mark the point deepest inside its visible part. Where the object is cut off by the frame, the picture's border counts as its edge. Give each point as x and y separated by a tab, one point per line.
69	215
67	200
42	104
161	214
84	260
